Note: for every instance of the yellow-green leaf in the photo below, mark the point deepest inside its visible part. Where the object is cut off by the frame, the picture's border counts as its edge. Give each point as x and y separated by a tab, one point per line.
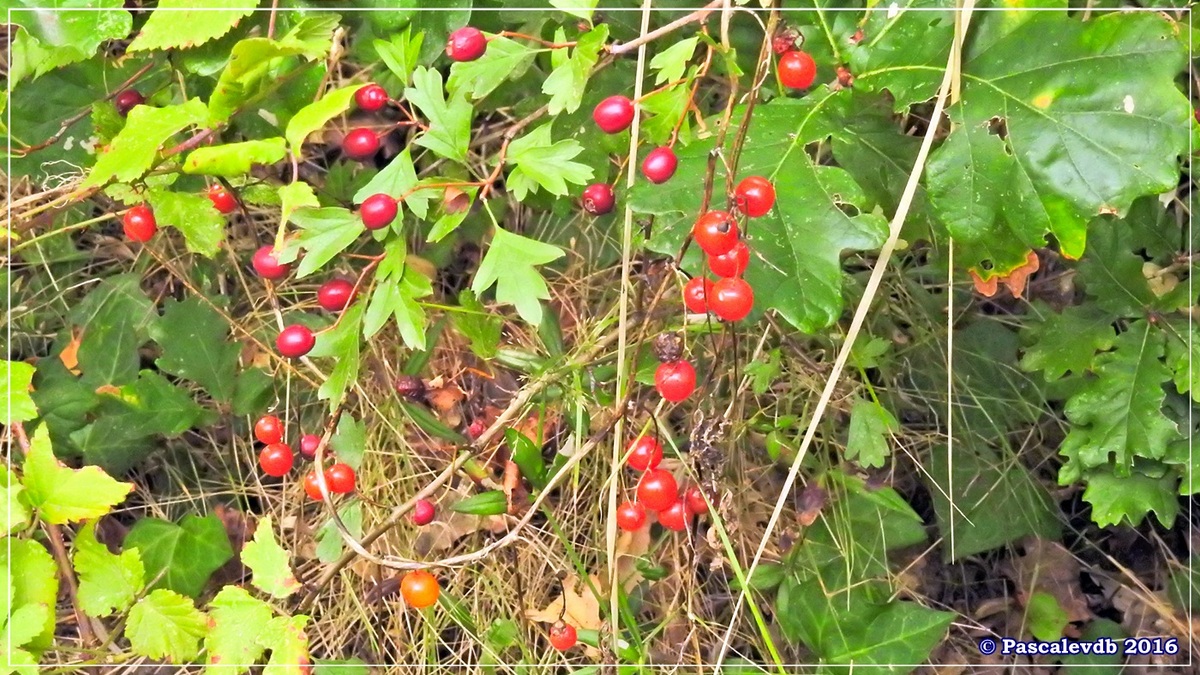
234	159
268	562
314	115
107	583
146	131
166	625
63	495
188	23
15	403
232	643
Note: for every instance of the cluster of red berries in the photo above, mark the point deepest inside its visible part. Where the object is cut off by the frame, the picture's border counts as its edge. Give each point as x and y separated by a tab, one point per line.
277	458
657	491
361	143
614	115
334	295
140	225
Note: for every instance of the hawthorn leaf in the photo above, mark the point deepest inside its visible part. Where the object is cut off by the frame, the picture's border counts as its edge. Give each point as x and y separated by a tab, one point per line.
313	35
108	583
398	179
196	346
567	83
504	59
1067	341
188	23
870	426
663	109
52	36
580	8
295	196
234	159
147	129
341	343
1117	416
324	234
63	495
349	440
317	114
166	625
250	72
181	557
194	215
511	265
30	580
285	637
16	511
1051	133
232	641
1120	500
16	405
539	161
398	286
401	54
671	62
449	130
270	569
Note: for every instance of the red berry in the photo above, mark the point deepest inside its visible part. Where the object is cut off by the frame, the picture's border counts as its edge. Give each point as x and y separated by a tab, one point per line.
563	636
221	199
139	223
340	478
675	380
644	453
360	144
309	444
657	490
715	233
419	589
731	299
268	429
312	488
695	501
675	517
732	263
267	266
335	294
476	428
695	294
614	114
797	70
423	512
631	516
754	196
127	100
378	211
371	97
598	199
276	459
466	44
295	341
660	165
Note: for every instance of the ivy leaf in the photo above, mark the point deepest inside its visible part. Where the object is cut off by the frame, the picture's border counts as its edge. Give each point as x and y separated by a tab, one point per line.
449	119
1051	133
16	514
16	405
234	159
398	179
1066	342
30	580
567	83
63	495
398	286
537	160
315	115
1118	415
166	625
325	233
401	53
187	23
285	637
504	59
511	264
147	129
1116	499
194	215
342	343
182	557
232	641
115	317
295	196
107	583
672	61
196	346
268	562
870	425
52	36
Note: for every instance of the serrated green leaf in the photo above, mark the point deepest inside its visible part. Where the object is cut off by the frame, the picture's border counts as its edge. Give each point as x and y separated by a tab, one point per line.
16	511
1117	416
663	110
16	405
672	61
870	427
188	23
398	286
64	495
146	131
271	571
107	583
252	65
504	59
166	625
1127	499
196	346
232	640
539	161
182	557
903	51
401	53
580	8
1091	120
1112	270
341	343
1183	357
490	503
106	122
1067	342
315	115
449	130
295	196
329	537
25	624
511	264
285	637
30	579
349	440
194	215
567	83
52	36
313	34
398	179
234	159
324	234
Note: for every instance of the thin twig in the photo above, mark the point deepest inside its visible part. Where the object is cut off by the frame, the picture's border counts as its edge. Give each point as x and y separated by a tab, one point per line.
698	15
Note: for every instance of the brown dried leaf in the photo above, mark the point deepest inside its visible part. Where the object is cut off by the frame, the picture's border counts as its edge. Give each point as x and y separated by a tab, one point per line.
582	607
70	354
1049	567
